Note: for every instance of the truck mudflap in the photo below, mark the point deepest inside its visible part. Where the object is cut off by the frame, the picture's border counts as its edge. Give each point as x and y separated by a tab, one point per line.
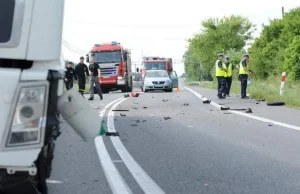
17	183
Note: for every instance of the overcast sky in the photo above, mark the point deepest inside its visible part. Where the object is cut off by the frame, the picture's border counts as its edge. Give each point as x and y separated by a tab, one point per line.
154	27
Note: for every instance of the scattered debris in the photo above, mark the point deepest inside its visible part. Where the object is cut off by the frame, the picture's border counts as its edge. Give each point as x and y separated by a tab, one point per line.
137	121
278	103
167	118
238	109
144	121
227	113
126	96
134	125
112	134
257	103
123	115
185	104
165	100
135	108
145	107
270	125
249	110
120	110
261	100
206	101
225	108
134	94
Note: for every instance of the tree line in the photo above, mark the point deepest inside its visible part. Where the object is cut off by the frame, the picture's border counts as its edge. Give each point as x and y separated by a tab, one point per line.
277	49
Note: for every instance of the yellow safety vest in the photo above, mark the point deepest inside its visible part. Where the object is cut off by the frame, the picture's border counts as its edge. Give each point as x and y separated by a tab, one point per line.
220	72
229	70
242	69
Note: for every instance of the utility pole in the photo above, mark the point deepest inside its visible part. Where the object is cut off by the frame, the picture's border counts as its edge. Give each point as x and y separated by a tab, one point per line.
282	11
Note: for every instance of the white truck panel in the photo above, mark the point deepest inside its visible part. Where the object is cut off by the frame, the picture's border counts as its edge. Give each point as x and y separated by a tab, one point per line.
19	52
45	37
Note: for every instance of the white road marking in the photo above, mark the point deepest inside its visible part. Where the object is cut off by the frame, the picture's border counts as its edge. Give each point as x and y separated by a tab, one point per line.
248	115
141	177
54	182
113	176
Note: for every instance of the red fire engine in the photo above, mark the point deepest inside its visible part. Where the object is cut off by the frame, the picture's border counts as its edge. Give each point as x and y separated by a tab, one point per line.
115	65
156	63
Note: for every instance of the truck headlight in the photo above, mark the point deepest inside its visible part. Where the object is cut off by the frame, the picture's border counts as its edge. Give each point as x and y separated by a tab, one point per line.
29	118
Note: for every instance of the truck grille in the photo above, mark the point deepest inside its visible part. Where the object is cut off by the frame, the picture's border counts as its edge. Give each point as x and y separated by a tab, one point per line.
108	71
158	82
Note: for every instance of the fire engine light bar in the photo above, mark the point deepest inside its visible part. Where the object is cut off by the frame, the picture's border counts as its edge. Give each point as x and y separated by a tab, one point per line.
114	43
97	44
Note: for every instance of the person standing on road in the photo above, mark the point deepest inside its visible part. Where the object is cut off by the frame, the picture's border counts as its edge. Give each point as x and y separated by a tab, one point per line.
70	74
243	75
95	75
228	75
81	71
220	74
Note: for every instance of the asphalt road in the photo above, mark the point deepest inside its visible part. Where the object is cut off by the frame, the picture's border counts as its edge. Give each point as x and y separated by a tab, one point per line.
173	143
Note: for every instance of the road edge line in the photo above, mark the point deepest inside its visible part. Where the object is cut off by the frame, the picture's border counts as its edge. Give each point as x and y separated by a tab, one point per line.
146	183
114	178
294	127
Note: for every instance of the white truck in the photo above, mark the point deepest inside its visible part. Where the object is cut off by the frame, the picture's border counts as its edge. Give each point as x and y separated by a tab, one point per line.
31	77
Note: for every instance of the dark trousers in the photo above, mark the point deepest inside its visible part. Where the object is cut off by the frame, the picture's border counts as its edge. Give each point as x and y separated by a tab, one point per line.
69	84
228	84
243	79
81	84
221	85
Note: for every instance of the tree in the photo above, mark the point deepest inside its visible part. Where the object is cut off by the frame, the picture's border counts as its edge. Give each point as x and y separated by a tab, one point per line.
276	49
228	34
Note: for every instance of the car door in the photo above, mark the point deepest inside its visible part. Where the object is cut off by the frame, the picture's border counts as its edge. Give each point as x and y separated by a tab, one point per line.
174	79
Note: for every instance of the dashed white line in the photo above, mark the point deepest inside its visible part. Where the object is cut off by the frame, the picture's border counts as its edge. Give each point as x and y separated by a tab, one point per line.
141	177
114	178
247	115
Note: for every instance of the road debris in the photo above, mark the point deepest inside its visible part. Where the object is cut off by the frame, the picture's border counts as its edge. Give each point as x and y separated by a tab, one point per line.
134	125
167	118
120	110
135	94
123	115
126	96
112	134
225	108
206	101
185	104
270	125
249	110
165	100
144	121
145	107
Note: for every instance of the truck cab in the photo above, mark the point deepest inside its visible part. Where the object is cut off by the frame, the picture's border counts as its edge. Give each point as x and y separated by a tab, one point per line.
31	73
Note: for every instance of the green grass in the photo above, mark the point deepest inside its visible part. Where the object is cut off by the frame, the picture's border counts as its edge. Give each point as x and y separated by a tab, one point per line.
87	87
266	89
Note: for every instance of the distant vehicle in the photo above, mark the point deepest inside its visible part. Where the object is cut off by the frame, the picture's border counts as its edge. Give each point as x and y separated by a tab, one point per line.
156	63
157	80
174	79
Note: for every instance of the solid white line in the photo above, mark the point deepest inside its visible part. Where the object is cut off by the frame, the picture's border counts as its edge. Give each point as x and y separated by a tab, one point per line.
141	177
113	176
248	115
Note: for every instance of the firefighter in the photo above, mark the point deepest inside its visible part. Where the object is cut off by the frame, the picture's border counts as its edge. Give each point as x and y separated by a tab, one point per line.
243	75
70	74
81	71
228	75
95	75
220	74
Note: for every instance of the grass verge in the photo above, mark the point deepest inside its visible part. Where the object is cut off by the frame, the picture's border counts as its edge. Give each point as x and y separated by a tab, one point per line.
87	87
267	89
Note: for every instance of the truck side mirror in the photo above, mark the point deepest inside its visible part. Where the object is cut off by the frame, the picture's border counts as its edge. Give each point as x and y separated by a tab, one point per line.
87	59
137	70
125	57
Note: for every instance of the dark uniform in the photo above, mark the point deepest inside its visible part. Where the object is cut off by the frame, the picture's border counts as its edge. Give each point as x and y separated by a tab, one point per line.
81	71
243	76
94	80
70	74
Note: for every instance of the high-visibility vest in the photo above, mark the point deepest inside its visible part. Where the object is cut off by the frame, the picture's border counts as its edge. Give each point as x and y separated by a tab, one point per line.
229	70
220	72
242	69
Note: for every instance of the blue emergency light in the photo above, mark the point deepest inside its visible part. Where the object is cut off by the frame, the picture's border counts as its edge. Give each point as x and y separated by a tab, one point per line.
114	43
97	45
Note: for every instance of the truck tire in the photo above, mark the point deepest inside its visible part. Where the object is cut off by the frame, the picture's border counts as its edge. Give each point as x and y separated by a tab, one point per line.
105	90
41	173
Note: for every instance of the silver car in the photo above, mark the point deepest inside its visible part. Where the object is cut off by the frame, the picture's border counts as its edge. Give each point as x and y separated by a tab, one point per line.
157	80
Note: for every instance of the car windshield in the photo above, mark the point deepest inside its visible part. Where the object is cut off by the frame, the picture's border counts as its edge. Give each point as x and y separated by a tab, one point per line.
156	74
155	65
108	57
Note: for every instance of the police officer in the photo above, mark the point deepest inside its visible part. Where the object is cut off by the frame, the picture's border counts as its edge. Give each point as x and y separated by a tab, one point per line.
95	75
243	75
82	71
220	74
70	74
228	75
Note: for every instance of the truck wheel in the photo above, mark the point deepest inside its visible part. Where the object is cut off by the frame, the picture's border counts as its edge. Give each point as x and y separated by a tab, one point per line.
105	91
41	173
